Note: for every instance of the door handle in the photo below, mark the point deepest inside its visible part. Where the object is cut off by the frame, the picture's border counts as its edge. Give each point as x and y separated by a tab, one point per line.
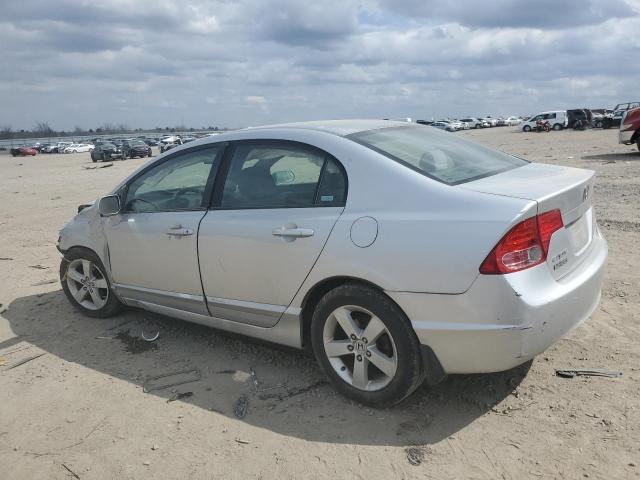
292	232
179	231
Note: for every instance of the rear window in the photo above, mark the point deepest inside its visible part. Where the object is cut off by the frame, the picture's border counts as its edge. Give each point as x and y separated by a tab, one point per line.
443	156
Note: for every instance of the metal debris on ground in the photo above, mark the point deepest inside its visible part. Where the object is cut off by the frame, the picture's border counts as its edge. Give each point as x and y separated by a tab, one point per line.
179	396
23	361
44	282
104	165
75	475
6	258
291	392
254	377
242	406
189	375
243	442
587	372
152	338
38	267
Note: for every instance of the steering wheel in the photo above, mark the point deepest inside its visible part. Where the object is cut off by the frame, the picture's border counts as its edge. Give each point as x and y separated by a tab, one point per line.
182	191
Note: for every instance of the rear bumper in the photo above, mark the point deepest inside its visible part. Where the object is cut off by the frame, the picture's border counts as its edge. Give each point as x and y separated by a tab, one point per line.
505	320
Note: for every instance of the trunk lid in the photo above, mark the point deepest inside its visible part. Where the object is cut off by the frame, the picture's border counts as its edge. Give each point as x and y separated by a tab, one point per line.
552	187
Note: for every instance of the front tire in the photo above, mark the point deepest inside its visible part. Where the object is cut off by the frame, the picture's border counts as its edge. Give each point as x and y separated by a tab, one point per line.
366	346
557	127
86	284
526	128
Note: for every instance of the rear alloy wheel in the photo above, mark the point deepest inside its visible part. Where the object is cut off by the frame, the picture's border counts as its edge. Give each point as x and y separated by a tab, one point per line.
557	126
86	285
526	128
366	345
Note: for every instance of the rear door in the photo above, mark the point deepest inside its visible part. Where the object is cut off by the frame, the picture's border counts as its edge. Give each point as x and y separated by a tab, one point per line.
272	216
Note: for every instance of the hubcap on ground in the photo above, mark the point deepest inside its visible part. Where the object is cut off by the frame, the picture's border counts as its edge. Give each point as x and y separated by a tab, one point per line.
360	348
87	284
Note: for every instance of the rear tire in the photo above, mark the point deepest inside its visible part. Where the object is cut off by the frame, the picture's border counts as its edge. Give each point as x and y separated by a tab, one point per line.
379	371
557	126
86	284
526	128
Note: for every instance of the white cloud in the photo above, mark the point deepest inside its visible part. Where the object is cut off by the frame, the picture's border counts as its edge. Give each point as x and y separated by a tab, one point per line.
161	61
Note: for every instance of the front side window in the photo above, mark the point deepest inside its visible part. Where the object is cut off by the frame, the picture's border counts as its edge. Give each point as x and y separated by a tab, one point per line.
272	175
176	184
446	158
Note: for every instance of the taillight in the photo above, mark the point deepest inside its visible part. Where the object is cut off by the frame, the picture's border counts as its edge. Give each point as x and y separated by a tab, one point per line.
524	246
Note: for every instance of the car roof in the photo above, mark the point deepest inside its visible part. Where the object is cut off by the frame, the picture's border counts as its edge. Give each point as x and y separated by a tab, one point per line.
337	127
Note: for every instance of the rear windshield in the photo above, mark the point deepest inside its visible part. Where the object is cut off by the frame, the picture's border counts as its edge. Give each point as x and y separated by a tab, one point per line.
440	155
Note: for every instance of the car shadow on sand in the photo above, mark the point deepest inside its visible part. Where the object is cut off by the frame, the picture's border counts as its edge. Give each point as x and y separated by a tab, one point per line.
291	396
613	157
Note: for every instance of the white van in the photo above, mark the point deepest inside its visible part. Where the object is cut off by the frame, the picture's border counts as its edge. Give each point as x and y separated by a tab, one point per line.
557	120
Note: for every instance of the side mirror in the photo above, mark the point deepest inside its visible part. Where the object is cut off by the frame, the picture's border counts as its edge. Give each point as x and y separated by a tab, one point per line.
109	205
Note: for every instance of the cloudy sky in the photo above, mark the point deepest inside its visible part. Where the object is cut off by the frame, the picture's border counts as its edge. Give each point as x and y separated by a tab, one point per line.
147	63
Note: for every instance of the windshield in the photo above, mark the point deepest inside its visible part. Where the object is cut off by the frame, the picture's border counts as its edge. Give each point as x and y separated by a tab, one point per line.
440	155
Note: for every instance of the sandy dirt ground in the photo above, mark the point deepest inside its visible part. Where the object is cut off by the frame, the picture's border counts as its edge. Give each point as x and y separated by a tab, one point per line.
79	410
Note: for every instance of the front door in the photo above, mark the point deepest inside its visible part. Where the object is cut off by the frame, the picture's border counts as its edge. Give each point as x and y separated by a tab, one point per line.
153	242
278	206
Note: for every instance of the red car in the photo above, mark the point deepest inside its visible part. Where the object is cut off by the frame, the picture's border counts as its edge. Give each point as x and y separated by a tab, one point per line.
23	151
630	128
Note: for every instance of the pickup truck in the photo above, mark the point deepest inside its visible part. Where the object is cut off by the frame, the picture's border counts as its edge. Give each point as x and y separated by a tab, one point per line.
629	132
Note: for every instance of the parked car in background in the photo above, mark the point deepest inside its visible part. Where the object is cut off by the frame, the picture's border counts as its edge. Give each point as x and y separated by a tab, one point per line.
626	106
473	122
41	147
493	122
79	147
60	146
49	148
583	115
169	142
442	125
456	124
630	128
106	151
135	148
463	259
611	120
421	122
557	120
152	142
23	151
512	121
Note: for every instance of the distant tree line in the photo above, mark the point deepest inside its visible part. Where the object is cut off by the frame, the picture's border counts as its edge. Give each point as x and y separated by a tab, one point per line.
42	129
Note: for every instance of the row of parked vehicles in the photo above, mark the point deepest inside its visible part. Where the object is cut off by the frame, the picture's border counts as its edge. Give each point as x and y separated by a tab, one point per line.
453	125
579	118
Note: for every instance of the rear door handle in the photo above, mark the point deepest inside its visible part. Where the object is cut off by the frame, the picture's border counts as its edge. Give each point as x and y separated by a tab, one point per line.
179	231
293	232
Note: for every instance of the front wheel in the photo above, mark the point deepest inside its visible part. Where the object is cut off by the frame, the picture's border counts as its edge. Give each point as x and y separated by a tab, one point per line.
526	128
86	285
557	126
366	346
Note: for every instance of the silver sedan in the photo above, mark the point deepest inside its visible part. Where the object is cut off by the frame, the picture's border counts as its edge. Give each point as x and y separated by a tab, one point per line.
396	252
